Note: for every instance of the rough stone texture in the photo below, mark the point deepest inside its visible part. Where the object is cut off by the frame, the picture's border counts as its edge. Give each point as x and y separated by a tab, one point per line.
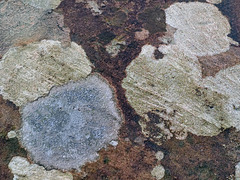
199	157
126	161
43	4
29	72
66	129
22	24
23	170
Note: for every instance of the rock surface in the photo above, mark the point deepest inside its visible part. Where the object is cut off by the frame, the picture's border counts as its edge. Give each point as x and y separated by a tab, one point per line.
22	24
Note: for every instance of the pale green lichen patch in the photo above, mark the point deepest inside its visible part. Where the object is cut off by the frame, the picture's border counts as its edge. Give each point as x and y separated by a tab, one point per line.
169	93
171	88
23	170
29	72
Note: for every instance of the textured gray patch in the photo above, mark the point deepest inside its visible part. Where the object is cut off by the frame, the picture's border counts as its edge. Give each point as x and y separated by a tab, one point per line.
22	24
66	129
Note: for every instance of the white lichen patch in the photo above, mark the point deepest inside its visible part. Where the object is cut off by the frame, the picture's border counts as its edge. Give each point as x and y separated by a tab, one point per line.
201	28
170	94
158	172
11	134
94	7
67	128
214	1
29	72
43	4
237	171
23	170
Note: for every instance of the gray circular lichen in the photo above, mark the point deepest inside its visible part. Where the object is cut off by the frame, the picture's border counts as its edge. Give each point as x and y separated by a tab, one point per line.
66	129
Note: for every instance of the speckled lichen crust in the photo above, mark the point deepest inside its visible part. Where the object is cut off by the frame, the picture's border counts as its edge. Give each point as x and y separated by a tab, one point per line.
201	28
43	4
29	72
169	93
66	129
23	170
21	24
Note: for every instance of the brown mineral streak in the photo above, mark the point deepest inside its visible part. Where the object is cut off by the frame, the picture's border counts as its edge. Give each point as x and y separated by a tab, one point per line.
211	65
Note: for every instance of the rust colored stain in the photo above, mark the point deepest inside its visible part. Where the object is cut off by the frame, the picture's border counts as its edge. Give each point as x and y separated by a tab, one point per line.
213	64
9	120
126	161
202	157
9	116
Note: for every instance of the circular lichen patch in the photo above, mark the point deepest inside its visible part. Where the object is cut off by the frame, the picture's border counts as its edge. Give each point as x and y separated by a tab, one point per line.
66	129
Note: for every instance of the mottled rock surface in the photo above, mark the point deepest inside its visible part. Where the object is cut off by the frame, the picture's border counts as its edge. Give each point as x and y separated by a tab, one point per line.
66	129
29	72
22	24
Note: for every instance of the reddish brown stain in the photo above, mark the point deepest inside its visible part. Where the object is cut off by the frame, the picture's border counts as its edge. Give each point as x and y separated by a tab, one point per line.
213	64
127	161
202	157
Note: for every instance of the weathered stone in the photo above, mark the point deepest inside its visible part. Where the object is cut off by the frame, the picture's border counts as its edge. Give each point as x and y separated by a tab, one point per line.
43	4
22	24
23	170
29	72
66	129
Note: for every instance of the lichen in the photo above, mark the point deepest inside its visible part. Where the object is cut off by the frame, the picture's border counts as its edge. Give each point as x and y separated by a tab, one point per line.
169	93
29	72
23	170
66	129
201	28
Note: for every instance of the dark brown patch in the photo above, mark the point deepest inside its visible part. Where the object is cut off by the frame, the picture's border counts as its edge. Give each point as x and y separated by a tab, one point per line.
158	54
126	161
230	8
9	120
199	157
213	64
